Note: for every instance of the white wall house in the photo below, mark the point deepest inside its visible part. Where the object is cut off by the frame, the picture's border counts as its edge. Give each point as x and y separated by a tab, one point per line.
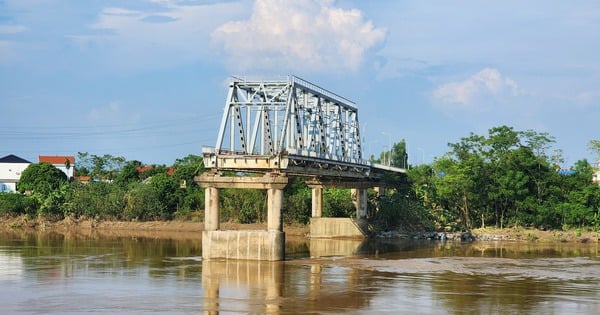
64	163
11	167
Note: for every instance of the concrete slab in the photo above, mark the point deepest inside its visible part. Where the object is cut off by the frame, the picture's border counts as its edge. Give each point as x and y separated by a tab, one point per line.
335	228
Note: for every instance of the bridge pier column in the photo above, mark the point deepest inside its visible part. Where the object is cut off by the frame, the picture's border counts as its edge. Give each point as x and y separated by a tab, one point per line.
317	202
275	203
359	198
211	209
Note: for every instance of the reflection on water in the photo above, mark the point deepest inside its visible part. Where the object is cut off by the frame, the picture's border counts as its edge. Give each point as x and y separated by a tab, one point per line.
77	273
279	287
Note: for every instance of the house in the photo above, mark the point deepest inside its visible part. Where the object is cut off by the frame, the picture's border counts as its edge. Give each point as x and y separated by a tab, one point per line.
62	162
11	167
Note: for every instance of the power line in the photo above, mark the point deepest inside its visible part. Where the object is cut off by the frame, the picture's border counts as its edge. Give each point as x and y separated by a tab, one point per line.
155	128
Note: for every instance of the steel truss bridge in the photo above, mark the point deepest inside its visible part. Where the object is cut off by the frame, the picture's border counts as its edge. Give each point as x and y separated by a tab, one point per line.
290	126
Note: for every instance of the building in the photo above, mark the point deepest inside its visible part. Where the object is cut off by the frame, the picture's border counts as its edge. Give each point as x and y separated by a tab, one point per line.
11	168
62	162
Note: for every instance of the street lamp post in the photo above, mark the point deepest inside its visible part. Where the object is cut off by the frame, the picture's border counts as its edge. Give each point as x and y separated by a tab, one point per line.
384	149
390	146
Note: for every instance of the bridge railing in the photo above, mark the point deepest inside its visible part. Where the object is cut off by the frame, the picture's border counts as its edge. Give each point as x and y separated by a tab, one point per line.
334	97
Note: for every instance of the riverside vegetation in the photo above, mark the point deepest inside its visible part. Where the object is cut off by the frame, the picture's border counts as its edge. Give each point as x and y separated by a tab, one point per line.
504	179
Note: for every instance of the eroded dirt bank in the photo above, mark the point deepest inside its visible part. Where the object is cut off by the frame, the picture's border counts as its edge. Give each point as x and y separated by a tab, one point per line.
189	229
154	229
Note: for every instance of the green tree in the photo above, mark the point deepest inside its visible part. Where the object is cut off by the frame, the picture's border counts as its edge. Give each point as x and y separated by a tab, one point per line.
297	201
244	205
456	187
479	177
101	200
594	147
83	166
191	195
399	156
338	203
105	167
41	178
142	202
168	192
128	174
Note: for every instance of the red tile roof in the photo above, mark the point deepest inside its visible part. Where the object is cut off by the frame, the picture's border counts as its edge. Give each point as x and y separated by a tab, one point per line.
141	169
83	178
56	159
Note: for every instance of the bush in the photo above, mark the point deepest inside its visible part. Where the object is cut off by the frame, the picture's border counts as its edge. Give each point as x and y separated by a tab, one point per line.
52	204
297	207
193	200
243	205
95	199
338	203
15	204
142	202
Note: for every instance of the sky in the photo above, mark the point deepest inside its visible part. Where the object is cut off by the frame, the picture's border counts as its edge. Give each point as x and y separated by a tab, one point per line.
147	79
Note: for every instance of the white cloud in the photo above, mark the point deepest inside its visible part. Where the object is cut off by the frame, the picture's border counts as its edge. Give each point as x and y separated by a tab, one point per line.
171	33
8	47
298	35
487	82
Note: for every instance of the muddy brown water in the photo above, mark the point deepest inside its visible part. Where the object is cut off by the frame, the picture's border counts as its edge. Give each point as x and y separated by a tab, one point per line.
52	273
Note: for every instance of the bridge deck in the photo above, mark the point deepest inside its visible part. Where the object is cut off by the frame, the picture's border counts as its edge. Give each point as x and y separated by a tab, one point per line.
299	165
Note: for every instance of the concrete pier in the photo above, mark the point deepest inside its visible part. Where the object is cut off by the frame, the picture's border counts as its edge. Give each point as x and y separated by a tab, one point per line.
269	244
249	245
211	209
317	201
244	244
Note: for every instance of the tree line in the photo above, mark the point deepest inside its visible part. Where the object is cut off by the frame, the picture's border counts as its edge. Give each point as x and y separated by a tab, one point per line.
506	178
118	189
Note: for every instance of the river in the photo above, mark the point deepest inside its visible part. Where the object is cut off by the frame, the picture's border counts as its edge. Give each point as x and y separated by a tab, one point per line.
52	273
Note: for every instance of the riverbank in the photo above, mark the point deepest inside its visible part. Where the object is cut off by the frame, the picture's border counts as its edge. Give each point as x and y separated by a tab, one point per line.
505	234
190	229
177	229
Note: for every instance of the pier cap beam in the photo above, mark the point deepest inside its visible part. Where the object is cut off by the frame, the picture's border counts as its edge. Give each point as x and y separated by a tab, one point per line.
216	180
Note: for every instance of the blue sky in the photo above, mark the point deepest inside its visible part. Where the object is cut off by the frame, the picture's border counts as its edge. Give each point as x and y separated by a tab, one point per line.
147	79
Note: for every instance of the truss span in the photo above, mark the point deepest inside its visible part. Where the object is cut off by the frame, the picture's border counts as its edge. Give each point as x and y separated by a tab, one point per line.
288	125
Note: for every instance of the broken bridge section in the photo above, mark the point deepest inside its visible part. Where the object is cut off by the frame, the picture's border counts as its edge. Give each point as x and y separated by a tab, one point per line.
284	128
